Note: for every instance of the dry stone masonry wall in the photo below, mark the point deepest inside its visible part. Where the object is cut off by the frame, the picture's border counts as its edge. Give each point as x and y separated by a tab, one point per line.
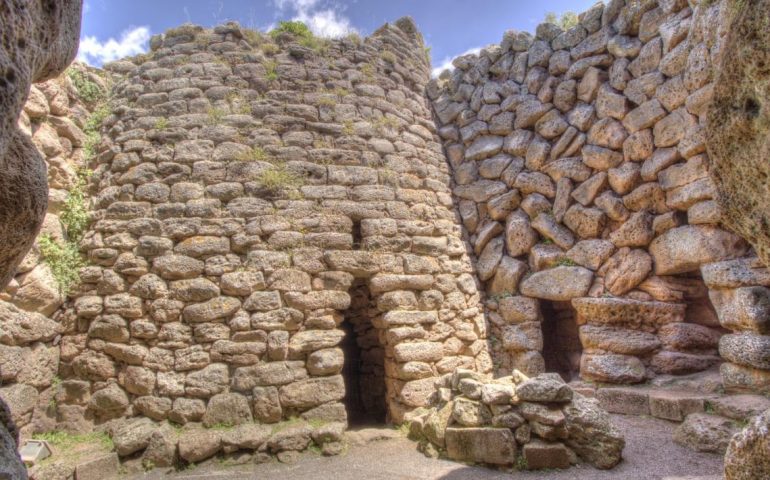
241	198
291	235
581	170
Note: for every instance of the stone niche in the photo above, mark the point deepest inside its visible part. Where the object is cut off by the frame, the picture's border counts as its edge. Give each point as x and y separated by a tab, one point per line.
582	181
274	230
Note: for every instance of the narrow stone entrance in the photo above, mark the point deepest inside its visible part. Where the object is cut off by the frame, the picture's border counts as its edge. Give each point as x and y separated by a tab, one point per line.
364	370
561	341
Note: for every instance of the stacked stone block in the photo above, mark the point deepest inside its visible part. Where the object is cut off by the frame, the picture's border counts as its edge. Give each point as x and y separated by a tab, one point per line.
244	193
516	421
581	175
739	291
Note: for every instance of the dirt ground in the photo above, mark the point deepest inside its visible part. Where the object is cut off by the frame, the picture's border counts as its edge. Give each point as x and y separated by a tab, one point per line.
650	454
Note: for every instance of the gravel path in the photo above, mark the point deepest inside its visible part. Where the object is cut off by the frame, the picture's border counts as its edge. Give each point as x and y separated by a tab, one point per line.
650	454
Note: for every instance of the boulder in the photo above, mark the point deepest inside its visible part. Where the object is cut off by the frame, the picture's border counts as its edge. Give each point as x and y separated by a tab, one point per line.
544	388
132	435
227	409
705	433
591	433
197	444
23	185
748	453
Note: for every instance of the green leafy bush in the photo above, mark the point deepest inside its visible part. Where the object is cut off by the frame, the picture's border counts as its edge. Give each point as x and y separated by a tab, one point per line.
296	28
88	91
64	260
278	178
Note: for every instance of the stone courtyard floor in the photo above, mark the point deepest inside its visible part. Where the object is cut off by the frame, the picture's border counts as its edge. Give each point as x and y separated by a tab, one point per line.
650	454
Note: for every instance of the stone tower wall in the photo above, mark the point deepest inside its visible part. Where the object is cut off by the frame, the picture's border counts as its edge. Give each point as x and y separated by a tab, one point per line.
580	166
242	192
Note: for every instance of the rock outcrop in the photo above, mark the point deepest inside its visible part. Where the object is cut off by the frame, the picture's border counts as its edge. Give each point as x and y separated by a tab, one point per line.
533	423
39	40
26	58
748	455
738	129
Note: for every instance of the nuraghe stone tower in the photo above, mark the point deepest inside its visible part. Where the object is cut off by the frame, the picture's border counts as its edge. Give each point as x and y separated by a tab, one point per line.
249	210
286	229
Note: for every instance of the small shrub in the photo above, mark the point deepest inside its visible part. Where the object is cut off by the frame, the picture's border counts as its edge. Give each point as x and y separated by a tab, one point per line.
74	215
388	56
566	262
256	154
368	70
88	91
271	70
270	48
278	178
63	259
161	123
566	21
354	38
327	101
253	37
296	28
216	115
347	127
427	52
386	123
65	441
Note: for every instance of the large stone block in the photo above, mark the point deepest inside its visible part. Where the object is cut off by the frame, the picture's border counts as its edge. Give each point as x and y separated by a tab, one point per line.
495	446
685	249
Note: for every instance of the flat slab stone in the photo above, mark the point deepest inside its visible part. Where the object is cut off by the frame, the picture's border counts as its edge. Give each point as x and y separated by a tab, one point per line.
612	368
740	407
494	446
627	401
676	405
742	272
633	313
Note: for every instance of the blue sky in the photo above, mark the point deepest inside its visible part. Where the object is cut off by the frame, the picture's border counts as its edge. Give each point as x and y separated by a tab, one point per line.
116	28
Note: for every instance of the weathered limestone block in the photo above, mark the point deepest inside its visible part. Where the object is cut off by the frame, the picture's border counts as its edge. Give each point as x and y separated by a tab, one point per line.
494	446
560	283
612	368
685	249
743	309
746	349
618	311
618	340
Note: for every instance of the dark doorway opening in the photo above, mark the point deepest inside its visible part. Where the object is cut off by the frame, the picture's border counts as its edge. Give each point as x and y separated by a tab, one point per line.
561	340
364	368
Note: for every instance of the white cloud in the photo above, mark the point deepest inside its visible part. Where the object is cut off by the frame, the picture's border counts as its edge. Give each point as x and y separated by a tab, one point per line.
446	64
132	42
324	22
